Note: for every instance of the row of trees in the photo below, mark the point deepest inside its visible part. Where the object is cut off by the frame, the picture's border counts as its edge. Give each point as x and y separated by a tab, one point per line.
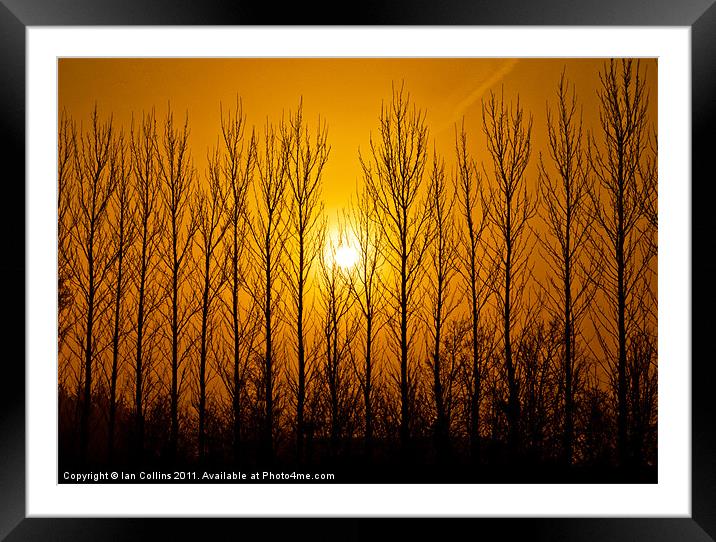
224	308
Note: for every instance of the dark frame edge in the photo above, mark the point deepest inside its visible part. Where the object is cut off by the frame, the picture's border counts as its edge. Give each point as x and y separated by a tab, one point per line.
703	442
702	524
12	397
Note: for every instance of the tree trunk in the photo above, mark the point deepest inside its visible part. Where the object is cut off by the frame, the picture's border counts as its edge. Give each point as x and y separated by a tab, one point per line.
268	383
513	407
404	410
202	355
174	399
138	413
300	429
115	344
368	387
622	413
87	394
236	377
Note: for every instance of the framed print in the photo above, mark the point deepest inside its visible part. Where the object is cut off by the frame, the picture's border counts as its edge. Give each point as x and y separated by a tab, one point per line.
361	271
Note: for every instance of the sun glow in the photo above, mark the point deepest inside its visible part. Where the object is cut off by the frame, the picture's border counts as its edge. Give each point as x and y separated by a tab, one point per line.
341	250
346	257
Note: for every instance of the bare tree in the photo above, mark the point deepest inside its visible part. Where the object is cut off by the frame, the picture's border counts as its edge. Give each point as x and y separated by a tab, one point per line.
473	208
237	370
617	200
472	376
649	169
209	210
267	228
145	174
238	167
336	300
650	228
642	362
537	355
167	281
508	135
368	295
305	160
642	376
394	176
442	266
66	174
96	182
564	186
177	175
122	224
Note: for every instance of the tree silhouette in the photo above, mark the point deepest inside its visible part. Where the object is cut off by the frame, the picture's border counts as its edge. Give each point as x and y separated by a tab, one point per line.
617	209
422	330
209	210
394	176
176	172
649	173
336	300
66	161
473	208
368	296
511	207
305	160
96	180
238	167
268	233
146	197
442	267
564	190
122	223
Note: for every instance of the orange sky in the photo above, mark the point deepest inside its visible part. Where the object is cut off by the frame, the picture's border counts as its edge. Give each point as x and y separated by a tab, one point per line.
346	92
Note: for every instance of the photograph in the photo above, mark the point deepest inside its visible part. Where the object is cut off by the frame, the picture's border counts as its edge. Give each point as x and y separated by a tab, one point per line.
353	270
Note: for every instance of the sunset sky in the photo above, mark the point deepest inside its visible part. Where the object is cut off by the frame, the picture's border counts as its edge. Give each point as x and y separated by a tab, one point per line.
346	92
521	309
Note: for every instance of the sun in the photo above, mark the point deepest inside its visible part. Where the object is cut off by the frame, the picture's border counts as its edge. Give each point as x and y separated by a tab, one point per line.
346	257
342	249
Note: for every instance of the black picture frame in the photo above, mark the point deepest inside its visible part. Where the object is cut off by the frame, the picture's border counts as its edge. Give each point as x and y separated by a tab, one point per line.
699	15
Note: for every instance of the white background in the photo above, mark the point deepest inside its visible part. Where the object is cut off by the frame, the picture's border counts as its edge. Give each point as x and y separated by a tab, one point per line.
671	496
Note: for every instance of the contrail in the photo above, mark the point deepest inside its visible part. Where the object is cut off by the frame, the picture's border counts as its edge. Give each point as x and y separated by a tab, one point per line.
477	94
